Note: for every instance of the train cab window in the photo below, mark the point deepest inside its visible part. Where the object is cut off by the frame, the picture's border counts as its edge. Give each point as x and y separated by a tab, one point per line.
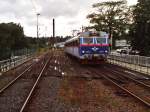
101	40
87	40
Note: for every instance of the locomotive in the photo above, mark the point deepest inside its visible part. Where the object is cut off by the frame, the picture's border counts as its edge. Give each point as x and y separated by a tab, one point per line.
89	47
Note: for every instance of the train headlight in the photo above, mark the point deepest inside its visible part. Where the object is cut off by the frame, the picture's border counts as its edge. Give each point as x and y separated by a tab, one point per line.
106	51
83	51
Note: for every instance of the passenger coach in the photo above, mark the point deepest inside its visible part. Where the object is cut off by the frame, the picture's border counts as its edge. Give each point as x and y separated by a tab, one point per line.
89	47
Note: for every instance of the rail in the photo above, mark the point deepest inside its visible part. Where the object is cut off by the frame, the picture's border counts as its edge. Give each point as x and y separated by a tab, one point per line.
135	62
131	93
33	88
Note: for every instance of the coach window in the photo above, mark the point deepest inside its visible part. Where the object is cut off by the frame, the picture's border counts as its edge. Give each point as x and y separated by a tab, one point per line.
69	44
73	43
66	44
76	43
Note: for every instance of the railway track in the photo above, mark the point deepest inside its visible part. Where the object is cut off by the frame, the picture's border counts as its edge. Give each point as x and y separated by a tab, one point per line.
10	83
133	73
14	80
21	85
48	88
33	88
143	78
127	76
125	85
10	75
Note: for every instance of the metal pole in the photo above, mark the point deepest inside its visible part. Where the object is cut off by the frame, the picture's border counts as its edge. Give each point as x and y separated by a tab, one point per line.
37	29
53	27
55	39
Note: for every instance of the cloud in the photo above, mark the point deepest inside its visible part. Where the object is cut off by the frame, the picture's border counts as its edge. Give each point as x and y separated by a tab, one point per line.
59	8
69	14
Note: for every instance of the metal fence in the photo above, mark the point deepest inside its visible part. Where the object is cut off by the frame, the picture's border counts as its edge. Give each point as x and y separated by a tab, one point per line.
135	62
14	61
8	53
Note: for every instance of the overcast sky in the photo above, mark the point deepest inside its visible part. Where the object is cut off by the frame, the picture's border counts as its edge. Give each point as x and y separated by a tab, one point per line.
69	14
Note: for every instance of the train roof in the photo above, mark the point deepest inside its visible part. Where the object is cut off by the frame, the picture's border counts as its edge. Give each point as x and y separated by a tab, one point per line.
72	39
88	34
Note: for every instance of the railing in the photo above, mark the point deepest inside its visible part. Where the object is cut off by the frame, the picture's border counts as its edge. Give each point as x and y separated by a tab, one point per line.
8	64
135	62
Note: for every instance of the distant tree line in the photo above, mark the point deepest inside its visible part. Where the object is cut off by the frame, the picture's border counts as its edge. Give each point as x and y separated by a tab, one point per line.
12	39
124	22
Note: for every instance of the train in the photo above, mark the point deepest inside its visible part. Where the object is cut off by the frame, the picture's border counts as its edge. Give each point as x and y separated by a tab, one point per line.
89	47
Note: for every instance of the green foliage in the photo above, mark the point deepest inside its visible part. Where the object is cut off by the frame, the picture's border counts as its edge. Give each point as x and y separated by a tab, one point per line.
141	35
114	17
13	41
11	38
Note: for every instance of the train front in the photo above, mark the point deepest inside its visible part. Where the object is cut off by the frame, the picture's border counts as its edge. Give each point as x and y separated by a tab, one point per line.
94	48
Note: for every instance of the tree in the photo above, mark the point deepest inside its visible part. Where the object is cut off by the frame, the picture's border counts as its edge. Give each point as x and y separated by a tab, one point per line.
141	38
11	38
113	17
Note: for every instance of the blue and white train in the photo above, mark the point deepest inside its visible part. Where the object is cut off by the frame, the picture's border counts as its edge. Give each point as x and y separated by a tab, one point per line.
89	47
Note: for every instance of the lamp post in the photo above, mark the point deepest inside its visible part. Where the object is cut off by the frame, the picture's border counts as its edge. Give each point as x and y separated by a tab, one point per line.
37	29
37	25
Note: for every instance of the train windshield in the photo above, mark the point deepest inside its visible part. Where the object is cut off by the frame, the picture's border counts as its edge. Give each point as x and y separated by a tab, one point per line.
101	40
87	40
